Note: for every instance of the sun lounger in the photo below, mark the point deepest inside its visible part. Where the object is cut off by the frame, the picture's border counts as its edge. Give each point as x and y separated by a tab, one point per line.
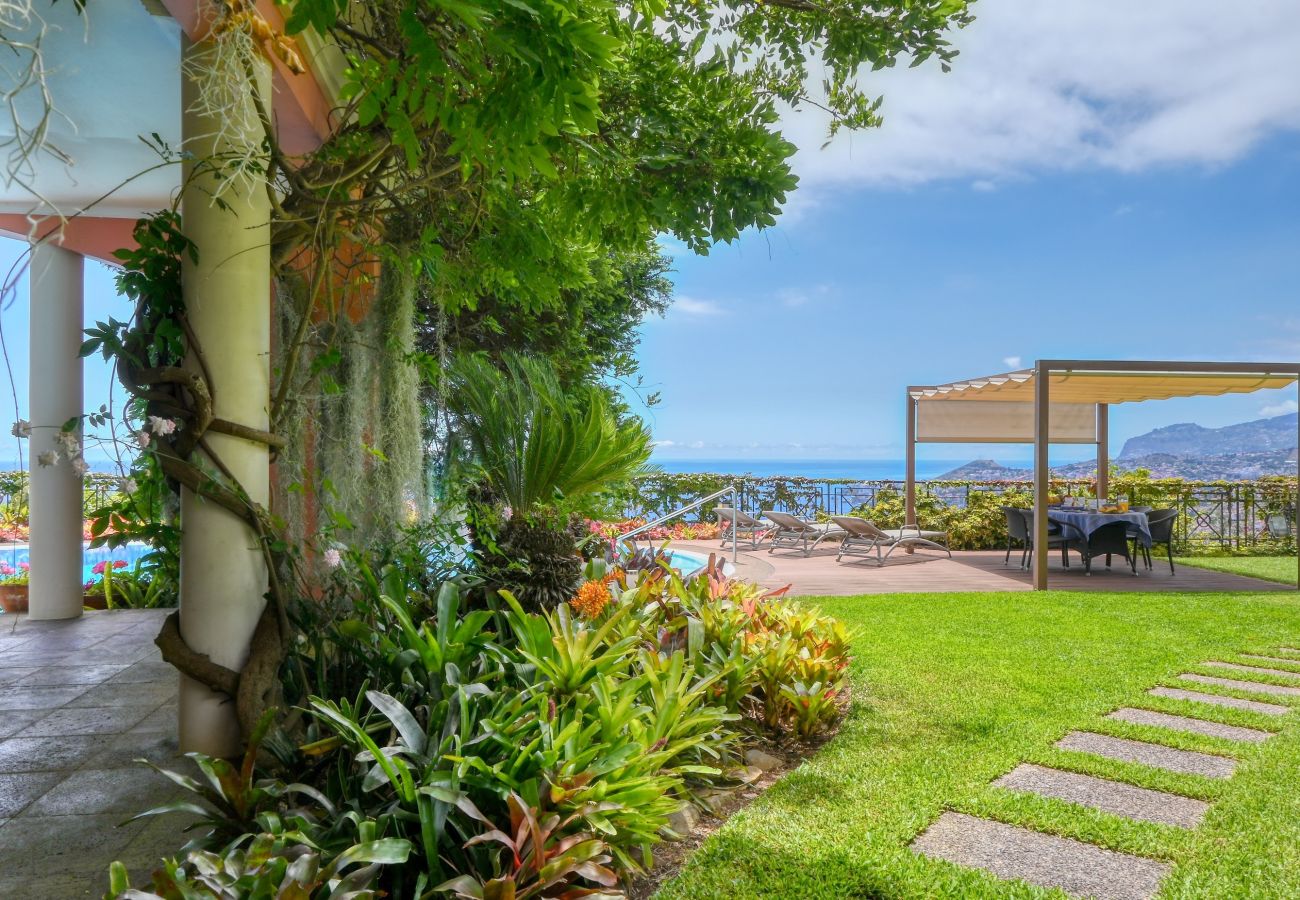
863	539
750	532
794	533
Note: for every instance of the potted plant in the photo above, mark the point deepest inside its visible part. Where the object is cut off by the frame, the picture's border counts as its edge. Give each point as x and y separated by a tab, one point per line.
13	587
99	594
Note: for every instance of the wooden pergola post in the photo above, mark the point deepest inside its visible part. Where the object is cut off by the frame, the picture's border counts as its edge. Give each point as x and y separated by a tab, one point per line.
1042	474
1103	451
909	484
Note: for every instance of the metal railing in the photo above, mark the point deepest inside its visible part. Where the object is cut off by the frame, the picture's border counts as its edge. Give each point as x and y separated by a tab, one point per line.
629	537
1213	516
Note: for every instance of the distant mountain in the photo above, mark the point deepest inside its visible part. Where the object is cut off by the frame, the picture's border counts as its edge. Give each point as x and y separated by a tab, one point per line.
1277	433
1239	452
1219	467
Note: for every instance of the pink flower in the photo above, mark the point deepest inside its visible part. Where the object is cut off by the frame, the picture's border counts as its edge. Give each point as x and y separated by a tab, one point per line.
99	567
119	564
6	569
160	426
26	567
142	438
333	558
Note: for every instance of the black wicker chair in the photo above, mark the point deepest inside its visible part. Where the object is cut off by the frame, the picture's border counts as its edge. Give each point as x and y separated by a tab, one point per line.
1055	538
1108	540
1160	522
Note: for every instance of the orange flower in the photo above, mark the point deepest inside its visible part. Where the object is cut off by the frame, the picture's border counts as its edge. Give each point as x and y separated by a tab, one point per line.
592	599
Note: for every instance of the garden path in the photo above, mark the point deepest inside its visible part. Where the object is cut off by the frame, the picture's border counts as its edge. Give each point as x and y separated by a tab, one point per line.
80	701
1085	870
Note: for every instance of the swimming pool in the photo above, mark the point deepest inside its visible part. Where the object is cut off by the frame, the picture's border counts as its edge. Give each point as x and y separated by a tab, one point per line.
14	554
686	562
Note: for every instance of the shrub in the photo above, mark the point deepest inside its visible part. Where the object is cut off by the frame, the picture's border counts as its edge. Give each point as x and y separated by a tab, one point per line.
586	727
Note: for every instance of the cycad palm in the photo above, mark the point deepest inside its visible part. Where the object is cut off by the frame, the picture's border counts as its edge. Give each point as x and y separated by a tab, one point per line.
543	451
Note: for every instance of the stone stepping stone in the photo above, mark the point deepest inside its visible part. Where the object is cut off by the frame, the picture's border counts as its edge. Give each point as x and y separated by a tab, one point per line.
1268	709
1274	659
1253	670
1108	796
1193	726
1043	859
1252	686
1155	755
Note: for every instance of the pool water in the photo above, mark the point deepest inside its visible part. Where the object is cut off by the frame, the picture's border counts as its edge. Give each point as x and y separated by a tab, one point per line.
686	562
14	554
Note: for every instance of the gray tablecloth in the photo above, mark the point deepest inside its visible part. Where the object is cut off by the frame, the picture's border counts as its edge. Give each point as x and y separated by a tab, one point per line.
1082	523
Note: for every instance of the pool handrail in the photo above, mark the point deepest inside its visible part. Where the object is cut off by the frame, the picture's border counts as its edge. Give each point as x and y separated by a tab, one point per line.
629	537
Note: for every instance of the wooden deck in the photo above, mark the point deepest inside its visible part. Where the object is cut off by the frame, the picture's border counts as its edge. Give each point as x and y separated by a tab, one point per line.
820	575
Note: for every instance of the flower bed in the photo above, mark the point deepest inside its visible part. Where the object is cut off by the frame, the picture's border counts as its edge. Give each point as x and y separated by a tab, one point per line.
497	751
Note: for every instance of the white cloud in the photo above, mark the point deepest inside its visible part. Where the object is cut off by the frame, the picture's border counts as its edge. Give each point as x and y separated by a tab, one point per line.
1075	84
1279	409
1012	362
695	308
802	296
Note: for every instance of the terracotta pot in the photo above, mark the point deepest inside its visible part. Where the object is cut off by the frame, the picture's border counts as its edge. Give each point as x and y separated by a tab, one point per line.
94	601
13	598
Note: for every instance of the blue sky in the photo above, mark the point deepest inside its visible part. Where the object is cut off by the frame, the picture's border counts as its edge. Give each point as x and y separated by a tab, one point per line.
1107	198
1095	178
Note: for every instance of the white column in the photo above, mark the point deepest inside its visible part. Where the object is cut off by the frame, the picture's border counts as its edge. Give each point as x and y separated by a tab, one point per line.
227	299
55	396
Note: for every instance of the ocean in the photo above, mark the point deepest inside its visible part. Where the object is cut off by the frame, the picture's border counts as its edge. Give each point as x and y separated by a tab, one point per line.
858	469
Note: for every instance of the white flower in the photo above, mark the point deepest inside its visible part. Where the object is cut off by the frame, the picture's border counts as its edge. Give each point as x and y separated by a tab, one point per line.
129	486
70	442
142	438
79	466
22	429
333	558
48	458
160	426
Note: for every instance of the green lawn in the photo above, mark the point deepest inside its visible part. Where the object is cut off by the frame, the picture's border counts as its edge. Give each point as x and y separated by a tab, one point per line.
953	690
1270	568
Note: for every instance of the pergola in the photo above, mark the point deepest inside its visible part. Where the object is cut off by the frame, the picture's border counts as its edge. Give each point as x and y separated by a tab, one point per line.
1066	401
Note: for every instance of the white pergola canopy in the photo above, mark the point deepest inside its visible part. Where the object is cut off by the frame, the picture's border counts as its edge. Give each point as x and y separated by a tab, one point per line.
1066	401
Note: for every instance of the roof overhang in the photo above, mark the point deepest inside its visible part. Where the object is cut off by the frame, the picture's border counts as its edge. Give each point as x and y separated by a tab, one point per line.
1112	382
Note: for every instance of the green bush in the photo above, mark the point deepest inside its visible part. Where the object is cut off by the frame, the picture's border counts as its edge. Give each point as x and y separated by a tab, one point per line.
591	724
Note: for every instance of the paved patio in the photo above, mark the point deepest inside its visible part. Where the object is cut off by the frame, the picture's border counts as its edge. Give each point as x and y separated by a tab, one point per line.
80	700
968	570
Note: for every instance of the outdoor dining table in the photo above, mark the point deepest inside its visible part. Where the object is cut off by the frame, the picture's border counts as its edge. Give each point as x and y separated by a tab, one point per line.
1082	523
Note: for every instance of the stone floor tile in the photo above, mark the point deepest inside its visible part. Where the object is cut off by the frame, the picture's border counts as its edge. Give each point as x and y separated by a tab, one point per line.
14	721
19	790
71	674
1148	754
26	657
140	694
46	754
1252	670
122	792
123	751
1042	859
89	720
146	671
16	674
1274	659
1268	709
54	887
1255	687
162	719
17	696
1193	726
39	845
1112	797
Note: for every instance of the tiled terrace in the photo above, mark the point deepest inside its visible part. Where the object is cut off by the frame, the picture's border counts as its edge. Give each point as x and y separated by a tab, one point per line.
80	701
968	570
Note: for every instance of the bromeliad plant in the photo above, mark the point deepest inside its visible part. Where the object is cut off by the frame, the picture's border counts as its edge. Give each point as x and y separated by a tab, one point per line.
585	728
